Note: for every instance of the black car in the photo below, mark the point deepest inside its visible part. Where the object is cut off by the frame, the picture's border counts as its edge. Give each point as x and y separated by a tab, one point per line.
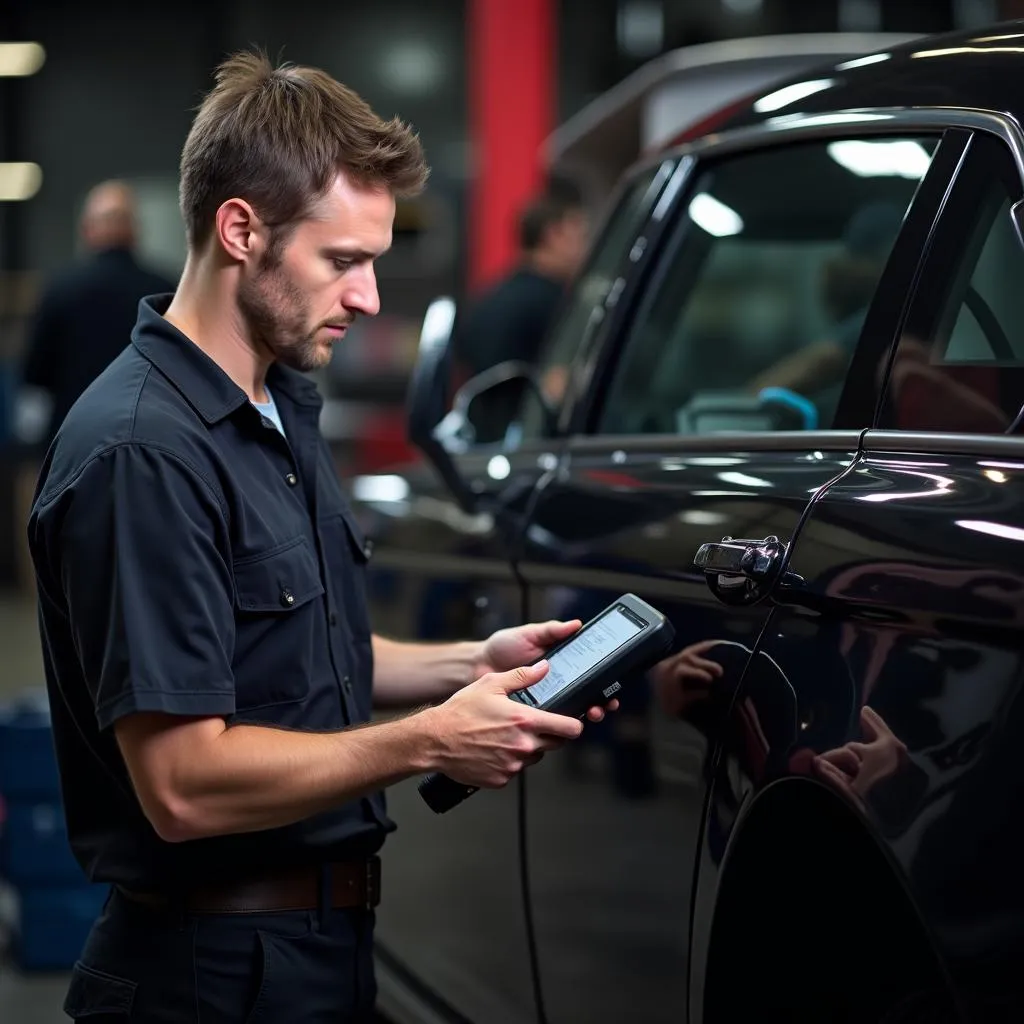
783	404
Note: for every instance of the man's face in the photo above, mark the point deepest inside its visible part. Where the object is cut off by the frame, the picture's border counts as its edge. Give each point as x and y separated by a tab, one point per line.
305	292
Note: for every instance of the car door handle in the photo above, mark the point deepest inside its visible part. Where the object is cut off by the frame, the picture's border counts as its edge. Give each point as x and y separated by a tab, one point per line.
755	560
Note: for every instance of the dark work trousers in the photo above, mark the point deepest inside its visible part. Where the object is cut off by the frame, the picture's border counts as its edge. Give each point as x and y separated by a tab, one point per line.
164	967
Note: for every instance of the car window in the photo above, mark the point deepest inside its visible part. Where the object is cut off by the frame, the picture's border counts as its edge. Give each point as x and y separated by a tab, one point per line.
959	365
757	306
604	265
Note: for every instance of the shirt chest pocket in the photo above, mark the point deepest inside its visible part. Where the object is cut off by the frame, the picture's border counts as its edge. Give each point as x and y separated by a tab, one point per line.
277	594
348	552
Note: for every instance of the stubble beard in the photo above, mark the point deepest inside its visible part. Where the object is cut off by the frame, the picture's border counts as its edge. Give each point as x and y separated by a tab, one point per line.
277	315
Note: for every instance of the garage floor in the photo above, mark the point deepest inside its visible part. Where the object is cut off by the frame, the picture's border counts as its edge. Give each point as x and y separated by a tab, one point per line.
31	999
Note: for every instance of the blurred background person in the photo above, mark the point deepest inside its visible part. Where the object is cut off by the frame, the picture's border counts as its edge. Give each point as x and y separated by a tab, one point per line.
86	314
511	319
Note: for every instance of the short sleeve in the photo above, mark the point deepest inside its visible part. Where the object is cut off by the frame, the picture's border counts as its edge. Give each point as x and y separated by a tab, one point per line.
139	545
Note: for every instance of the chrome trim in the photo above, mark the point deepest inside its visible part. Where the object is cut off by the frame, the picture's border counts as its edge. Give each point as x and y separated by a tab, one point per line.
865	120
935	443
660	444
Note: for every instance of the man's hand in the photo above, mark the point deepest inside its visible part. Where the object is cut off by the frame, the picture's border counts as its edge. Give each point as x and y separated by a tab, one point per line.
483	738
523	645
685	678
856	767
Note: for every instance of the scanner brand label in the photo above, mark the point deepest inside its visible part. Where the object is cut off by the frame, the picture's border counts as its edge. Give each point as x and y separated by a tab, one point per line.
609	690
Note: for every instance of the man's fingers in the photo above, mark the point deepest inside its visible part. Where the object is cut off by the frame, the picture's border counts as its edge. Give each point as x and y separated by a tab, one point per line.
551	632
689	674
843	758
872	723
521	678
560	726
707	665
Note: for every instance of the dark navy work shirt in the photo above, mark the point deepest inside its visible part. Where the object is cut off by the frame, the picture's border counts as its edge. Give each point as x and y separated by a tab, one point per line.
192	560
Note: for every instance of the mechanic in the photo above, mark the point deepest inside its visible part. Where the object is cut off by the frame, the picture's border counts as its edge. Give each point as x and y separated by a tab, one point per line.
209	657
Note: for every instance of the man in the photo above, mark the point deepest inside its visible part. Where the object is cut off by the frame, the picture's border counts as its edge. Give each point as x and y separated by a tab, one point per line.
511	320
86	314
210	662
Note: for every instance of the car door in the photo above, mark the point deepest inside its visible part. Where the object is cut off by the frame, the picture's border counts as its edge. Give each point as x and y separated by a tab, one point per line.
891	672
447	929
451	931
706	412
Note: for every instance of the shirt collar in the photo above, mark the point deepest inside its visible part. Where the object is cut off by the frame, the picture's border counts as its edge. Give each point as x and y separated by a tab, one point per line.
206	387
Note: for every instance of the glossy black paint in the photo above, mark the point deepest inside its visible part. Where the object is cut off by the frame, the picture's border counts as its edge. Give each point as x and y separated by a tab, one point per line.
977	70
641	796
821	827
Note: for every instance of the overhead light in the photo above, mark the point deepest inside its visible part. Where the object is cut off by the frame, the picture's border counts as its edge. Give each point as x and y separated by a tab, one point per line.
863	62
641	28
19	181
18	60
714	216
790	94
893	158
413	66
997	476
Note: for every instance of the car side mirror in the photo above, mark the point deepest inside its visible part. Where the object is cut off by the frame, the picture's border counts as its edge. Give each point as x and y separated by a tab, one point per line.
457	431
434	428
427	398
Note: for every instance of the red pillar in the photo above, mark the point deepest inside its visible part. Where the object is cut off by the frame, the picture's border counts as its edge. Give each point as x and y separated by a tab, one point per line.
511	63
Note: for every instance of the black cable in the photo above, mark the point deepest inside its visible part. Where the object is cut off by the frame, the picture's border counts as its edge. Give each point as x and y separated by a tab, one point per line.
524	881
524	860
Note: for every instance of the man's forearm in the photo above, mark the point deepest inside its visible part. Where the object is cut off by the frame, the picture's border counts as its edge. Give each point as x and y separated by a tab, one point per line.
201	779
406	675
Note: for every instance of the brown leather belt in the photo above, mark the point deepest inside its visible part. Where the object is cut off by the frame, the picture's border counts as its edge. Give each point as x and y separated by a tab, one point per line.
345	884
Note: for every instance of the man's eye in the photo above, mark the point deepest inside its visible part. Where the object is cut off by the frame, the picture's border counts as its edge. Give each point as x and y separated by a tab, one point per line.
342	265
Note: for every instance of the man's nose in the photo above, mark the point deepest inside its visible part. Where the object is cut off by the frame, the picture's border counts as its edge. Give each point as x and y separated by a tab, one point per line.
361	293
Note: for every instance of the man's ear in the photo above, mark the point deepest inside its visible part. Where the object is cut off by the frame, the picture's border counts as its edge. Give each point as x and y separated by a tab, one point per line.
240	231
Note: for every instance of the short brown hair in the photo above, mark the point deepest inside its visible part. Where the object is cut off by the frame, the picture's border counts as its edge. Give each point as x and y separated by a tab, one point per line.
276	137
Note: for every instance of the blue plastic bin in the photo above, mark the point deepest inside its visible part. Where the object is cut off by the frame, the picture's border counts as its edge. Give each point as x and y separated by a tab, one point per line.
34	845
28	764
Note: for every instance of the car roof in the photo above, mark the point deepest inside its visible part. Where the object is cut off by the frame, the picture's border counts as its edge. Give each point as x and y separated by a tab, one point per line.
977	69
697	75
